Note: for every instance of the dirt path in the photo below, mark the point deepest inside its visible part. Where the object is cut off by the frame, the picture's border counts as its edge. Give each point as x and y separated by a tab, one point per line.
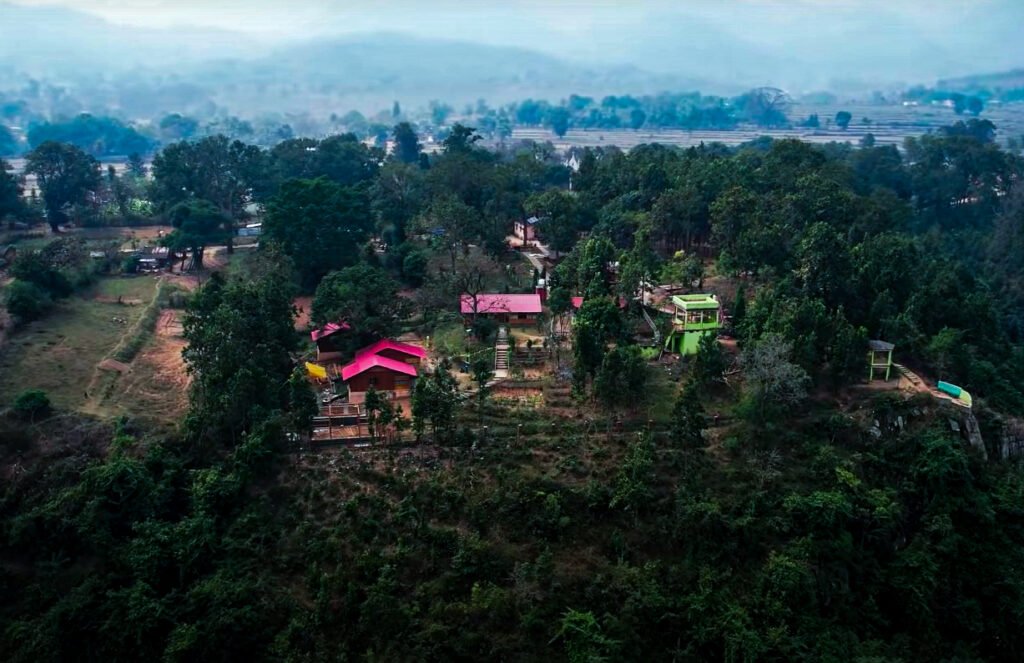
304	306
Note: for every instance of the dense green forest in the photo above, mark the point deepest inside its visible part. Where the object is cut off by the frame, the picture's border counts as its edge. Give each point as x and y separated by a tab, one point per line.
815	528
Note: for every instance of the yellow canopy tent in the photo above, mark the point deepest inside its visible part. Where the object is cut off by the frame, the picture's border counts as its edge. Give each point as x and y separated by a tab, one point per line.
316	371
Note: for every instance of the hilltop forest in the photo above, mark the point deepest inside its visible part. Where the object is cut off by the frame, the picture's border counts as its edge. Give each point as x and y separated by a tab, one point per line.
755	503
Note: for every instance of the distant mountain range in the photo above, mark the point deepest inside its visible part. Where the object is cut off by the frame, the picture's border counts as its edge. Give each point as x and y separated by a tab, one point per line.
142	72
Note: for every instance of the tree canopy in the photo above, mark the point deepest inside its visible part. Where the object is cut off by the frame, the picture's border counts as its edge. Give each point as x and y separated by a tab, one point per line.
66	176
322	225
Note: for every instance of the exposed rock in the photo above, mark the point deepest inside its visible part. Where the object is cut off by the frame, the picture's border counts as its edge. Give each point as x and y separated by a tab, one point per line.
973	433
1011	439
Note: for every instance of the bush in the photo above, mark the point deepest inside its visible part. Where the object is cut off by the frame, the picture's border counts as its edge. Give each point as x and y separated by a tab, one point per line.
27	301
31	404
484	329
36	269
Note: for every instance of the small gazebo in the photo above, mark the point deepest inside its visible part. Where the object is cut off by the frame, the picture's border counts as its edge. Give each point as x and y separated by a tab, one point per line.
879	359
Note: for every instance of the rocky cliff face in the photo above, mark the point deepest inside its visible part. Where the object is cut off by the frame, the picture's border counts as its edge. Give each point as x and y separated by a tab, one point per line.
1005	435
1010	443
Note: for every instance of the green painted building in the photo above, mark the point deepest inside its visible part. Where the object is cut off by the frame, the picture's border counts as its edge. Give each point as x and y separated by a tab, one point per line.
694	316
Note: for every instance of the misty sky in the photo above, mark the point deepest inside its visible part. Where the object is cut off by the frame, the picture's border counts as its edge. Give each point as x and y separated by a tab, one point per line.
517	22
784	42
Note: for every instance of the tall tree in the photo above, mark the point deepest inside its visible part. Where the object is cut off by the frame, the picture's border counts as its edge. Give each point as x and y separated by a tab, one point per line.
223	172
452	224
460	139
398	194
66	176
343	159
688	420
435	400
621	378
365	297
407	143
482	371
597	323
10	192
240	336
709	362
197	224
321	225
559	213
773	379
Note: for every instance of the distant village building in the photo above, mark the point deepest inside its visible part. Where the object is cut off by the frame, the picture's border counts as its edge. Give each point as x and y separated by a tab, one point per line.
518	310
251	230
152	259
526	231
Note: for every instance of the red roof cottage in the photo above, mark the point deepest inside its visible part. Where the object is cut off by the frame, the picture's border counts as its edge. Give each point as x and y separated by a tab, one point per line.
507	309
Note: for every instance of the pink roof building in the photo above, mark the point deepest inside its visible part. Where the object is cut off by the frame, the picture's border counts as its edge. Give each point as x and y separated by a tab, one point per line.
497	304
329	329
388	347
367	362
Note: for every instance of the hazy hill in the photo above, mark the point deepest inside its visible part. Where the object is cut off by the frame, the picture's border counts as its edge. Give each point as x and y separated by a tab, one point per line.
52	41
144	71
647	48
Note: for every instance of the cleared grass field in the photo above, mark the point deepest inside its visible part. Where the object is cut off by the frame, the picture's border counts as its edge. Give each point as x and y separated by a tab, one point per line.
61	353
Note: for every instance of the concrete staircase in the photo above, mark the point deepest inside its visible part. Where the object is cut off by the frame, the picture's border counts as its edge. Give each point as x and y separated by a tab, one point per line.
501	354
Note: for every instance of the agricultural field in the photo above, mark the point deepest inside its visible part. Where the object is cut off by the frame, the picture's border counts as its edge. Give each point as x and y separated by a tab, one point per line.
97	353
890	125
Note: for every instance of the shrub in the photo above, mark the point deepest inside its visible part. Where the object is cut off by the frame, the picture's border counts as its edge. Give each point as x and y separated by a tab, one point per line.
27	301
31	404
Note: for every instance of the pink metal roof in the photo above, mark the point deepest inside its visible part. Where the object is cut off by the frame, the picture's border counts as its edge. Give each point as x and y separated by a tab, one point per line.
329	329
388	344
364	363
502	303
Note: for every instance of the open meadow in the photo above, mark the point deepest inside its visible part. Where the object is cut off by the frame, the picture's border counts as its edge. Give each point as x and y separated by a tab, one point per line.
98	353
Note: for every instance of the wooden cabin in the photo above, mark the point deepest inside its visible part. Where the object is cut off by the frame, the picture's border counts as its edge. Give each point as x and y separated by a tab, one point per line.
382	373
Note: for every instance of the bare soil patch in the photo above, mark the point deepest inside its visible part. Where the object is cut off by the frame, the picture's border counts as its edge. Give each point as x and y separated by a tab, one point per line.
304	307
114	366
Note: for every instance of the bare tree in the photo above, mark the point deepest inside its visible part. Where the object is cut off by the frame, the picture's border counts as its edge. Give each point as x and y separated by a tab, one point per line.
766	106
772	377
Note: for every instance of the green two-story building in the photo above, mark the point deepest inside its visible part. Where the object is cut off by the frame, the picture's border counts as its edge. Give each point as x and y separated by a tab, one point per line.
693	316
